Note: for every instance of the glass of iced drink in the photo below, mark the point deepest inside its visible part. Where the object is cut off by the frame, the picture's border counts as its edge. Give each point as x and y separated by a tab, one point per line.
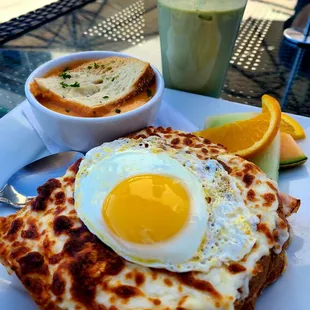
197	38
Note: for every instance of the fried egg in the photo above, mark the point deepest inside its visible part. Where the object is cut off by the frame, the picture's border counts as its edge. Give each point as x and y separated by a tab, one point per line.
161	207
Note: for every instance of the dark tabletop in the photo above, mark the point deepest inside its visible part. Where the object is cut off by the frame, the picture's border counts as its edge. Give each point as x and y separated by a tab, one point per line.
262	62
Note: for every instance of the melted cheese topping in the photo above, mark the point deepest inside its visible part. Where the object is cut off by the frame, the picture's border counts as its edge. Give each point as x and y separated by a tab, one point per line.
64	266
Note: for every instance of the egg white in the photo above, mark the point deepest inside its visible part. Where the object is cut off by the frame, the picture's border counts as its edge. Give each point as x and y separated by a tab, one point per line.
219	231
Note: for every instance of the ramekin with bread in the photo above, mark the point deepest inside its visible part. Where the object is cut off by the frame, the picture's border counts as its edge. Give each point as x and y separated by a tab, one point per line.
82	100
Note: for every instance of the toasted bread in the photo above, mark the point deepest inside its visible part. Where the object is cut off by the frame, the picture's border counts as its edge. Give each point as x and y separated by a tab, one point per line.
97	86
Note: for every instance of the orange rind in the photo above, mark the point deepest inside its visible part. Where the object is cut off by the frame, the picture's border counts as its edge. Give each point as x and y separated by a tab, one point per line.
247	138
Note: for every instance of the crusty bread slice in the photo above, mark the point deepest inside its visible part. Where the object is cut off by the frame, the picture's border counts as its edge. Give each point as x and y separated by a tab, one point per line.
98	85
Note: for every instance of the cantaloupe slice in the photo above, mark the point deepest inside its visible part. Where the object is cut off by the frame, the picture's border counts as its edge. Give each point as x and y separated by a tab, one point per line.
291	154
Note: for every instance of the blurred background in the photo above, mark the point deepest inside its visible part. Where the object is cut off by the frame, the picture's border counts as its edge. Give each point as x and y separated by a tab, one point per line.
14	8
263	61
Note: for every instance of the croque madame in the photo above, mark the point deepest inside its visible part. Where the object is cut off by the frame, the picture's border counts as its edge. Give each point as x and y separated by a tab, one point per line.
65	266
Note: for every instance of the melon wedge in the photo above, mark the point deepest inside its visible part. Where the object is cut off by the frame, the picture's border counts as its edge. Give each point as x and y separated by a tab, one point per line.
269	159
291	154
223	119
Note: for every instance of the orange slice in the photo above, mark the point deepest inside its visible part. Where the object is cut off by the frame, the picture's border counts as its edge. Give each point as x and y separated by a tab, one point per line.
291	126
248	137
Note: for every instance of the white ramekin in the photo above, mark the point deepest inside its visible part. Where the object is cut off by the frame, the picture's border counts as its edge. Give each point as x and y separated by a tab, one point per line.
82	133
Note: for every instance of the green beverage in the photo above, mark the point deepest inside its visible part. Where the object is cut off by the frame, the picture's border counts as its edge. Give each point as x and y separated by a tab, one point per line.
197	39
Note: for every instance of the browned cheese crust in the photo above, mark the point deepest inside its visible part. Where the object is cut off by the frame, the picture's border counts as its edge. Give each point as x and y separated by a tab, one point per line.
28	246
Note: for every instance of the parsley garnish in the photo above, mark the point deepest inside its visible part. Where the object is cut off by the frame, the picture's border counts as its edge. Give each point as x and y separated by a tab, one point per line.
113	79
65	75
65	85
105	97
75	84
96	66
149	93
89	67
118	111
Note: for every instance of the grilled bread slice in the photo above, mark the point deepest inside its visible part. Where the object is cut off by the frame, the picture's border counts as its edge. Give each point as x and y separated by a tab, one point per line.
98	85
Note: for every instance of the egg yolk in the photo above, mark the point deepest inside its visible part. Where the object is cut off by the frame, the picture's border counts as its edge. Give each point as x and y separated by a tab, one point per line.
147	208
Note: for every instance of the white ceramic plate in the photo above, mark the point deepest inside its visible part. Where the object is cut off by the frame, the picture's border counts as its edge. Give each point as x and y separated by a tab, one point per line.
20	144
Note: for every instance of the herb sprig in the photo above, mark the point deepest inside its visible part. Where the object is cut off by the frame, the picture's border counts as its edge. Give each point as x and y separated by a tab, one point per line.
65	75
65	85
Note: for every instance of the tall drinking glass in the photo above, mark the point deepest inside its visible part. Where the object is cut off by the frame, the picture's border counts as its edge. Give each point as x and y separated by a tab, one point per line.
197	38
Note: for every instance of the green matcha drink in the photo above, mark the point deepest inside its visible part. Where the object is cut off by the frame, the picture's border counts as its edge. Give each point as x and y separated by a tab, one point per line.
197	39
